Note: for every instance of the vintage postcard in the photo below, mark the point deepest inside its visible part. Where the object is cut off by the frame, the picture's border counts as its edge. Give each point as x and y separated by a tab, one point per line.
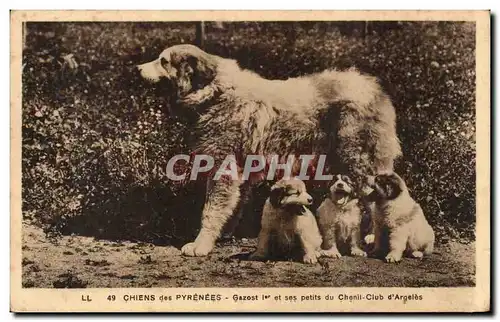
274	161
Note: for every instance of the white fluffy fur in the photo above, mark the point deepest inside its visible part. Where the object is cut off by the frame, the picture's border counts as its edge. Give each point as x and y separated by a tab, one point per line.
283	230
339	222
401	227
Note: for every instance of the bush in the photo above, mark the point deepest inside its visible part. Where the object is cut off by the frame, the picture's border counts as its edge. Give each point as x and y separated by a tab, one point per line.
96	143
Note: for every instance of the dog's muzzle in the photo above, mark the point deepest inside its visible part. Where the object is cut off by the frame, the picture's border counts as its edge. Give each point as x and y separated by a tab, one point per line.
150	77
149	72
341	196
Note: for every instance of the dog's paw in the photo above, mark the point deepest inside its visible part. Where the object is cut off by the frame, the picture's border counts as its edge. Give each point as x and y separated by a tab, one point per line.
393	257
310	258
358	252
369	239
332	253
417	254
196	249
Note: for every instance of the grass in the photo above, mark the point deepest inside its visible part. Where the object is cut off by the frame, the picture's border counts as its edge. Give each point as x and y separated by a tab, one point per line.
95	141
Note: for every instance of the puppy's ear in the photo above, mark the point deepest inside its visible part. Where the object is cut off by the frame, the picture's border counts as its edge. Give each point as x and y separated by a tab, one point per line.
395	190
277	194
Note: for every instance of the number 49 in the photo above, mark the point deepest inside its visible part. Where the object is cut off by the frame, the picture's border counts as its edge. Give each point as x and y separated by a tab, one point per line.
111	297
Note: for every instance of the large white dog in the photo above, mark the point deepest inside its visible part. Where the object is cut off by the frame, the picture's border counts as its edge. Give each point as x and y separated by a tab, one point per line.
344	115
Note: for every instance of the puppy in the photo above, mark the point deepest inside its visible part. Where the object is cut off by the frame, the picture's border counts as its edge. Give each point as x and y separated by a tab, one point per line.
288	226
399	222
339	220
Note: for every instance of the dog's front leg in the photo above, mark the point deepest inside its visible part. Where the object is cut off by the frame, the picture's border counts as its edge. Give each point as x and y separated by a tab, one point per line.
329	245
310	251
309	236
397	244
355	242
221	202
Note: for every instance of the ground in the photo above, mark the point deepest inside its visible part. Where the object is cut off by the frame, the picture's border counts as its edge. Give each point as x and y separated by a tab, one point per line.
78	261
95	140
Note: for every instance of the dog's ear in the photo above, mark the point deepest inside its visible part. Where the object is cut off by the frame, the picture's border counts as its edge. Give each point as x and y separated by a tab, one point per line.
277	194
395	190
193	62
346	179
204	71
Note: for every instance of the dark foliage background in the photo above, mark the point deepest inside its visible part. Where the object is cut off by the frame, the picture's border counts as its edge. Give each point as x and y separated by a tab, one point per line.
96	142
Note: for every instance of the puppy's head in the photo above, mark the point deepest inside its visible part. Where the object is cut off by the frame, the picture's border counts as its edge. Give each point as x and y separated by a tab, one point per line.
186	68
342	190
290	194
388	186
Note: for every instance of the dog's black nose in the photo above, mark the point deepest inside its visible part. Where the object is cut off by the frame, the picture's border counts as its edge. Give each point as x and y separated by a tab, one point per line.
310	200
340	185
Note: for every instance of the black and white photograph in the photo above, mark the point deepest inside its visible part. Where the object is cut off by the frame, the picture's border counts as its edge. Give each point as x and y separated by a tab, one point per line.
249	154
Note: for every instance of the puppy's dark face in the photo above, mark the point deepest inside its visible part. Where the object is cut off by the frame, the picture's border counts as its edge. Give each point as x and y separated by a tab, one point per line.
388	186
186	68
290	194
342	190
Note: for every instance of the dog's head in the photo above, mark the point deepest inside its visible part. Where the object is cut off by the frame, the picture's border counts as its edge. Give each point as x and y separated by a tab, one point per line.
290	194
388	186
342	190
186	68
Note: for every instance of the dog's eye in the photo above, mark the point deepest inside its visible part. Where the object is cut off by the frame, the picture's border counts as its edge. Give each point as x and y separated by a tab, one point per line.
293	193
